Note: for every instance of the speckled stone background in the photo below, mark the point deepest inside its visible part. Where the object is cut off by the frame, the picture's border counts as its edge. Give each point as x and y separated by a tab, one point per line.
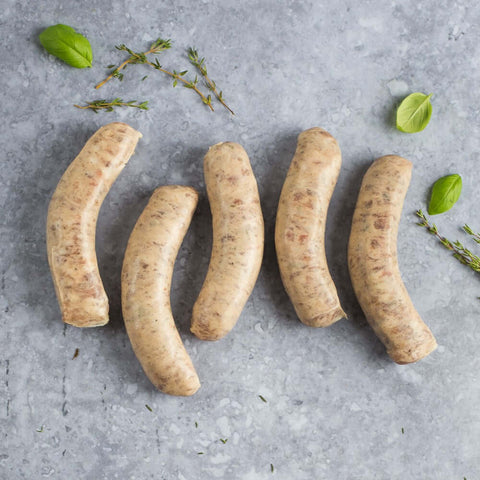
336	406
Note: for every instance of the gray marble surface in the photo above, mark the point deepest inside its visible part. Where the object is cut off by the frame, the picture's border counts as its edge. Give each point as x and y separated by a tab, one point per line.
337	407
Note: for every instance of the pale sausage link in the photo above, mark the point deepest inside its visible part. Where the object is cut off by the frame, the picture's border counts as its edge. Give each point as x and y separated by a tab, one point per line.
72	219
373	264
238	238
300	228
146	280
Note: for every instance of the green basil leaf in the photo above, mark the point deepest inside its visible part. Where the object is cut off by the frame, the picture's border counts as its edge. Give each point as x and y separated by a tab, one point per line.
445	193
414	113
66	44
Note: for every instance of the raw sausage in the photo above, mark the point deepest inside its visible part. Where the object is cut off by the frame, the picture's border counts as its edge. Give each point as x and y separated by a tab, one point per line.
238	237
146	279
72	219
373	264
300	228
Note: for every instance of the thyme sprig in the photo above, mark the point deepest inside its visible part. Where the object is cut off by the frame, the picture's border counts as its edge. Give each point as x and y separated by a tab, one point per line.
461	253
199	63
178	77
157	47
97	105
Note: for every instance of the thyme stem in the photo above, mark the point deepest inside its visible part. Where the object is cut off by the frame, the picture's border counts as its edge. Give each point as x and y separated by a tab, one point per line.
113	74
158	46
461	253
187	84
199	63
108	106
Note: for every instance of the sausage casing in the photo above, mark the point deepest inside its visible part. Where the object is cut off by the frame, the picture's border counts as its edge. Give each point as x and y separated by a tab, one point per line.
373	263
72	220
300	228
238	238
146	280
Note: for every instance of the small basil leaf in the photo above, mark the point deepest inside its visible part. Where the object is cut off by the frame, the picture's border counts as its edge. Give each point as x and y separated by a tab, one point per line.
414	113
445	193
66	44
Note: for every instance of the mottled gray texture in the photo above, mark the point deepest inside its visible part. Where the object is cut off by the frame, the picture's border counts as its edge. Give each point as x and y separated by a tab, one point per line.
336	404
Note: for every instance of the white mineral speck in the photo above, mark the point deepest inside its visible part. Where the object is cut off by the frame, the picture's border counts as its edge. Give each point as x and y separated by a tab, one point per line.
372	23
131	388
224	402
397	87
174	429
219	459
224	426
355	407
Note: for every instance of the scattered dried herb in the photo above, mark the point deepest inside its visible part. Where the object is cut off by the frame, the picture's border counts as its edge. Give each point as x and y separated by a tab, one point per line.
108	106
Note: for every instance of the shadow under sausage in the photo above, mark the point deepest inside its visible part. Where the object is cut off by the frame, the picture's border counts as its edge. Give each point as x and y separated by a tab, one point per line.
27	215
339	222
278	158
111	247
192	265
192	262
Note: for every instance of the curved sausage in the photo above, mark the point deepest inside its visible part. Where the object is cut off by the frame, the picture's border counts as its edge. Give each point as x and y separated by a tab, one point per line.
238	237
72	219
373	264
146	279
300	228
